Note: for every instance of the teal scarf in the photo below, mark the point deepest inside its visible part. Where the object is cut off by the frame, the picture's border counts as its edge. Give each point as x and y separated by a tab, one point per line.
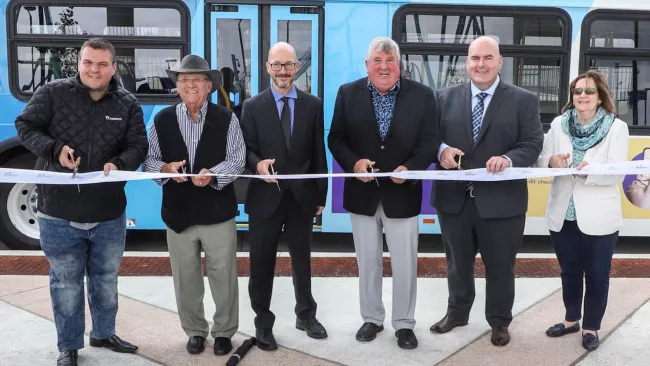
583	138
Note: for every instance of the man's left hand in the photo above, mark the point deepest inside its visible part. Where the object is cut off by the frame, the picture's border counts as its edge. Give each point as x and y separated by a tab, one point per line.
319	210
108	167
497	164
400	168
202	181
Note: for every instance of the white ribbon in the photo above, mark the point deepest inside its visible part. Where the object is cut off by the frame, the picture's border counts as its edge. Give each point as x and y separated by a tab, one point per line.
8	175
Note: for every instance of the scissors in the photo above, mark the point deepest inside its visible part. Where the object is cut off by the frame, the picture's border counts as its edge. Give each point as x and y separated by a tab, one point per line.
274	173
76	168
373	170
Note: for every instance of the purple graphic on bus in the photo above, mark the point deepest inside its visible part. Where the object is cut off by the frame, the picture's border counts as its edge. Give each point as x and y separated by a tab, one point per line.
337	192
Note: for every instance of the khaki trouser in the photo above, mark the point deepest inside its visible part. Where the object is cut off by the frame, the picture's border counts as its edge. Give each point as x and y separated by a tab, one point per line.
219	242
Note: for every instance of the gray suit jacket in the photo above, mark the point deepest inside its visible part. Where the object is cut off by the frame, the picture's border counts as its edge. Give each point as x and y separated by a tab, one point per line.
511	127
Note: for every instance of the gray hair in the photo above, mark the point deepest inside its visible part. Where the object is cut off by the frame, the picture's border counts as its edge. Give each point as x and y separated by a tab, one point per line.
383	44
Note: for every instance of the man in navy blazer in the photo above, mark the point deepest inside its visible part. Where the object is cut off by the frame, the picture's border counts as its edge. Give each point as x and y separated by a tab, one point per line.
387	123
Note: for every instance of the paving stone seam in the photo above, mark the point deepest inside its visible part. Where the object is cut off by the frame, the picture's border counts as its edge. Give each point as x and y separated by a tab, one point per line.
20	292
585	354
246	335
480	336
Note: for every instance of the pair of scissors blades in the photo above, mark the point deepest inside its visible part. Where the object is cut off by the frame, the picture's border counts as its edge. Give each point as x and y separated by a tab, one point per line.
76	168
274	173
373	170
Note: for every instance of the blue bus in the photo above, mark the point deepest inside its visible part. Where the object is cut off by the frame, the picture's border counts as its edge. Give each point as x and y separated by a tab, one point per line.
544	44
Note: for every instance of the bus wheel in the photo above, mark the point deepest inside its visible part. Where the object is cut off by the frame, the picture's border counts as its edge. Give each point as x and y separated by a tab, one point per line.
18	220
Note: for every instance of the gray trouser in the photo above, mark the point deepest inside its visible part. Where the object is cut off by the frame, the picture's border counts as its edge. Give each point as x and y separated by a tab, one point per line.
402	240
219	242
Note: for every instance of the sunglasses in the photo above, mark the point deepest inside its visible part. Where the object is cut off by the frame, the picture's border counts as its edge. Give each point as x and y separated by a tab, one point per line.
588	91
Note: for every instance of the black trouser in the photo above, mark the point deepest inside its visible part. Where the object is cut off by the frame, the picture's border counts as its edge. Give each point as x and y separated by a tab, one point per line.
580	253
264	235
498	240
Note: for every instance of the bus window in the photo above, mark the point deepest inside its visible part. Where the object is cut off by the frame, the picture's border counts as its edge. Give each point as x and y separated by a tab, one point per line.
45	38
139	70
534	45
617	43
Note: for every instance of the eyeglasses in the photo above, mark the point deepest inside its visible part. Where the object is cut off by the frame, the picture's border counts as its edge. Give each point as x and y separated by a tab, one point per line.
588	91
191	80
278	66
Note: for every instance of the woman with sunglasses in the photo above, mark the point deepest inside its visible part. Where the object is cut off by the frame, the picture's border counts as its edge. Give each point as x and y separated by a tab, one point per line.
584	211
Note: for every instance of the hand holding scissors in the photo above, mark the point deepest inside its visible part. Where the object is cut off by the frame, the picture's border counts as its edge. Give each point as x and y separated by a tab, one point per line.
76	167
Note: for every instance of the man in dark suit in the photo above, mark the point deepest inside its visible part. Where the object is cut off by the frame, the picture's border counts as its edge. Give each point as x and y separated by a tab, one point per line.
494	125
284	133
385	123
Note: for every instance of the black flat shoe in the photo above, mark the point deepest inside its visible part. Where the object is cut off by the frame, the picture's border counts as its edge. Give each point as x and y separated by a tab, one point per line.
590	341
558	330
368	332
196	344
406	339
446	324
265	339
114	343
67	358
500	336
313	328
222	346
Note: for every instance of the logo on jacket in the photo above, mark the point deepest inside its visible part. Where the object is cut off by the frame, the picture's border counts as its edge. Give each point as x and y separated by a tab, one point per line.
109	118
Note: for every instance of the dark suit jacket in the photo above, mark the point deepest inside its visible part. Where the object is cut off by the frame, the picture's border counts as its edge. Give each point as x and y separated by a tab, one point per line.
264	139
511	127
412	140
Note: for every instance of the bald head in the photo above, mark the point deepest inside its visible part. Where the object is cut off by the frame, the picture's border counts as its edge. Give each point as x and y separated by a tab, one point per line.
483	62
485	41
282	65
282	47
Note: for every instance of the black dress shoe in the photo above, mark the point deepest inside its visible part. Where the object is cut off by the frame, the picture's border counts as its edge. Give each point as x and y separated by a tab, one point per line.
590	341
196	344
265	339
500	336
67	358
406	339
114	343
313	327
222	346
368	332
558	330
446	324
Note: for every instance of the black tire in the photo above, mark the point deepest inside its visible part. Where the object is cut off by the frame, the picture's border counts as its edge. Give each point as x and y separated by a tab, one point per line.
10	233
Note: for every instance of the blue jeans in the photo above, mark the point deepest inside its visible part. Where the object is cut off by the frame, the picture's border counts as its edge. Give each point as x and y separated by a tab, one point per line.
72	252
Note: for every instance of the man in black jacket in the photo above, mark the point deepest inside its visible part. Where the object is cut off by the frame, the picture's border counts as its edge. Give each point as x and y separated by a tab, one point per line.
91	123
388	123
283	130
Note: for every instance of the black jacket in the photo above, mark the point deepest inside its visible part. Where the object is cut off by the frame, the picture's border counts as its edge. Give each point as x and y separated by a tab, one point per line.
262	132
412	140
108	130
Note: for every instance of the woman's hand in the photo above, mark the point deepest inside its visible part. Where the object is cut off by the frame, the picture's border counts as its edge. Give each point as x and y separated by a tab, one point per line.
559	161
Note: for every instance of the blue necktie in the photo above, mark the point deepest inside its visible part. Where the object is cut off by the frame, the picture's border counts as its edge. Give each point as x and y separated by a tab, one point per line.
477	115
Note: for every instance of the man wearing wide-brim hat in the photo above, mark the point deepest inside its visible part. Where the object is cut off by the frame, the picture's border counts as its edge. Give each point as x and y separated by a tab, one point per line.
199	137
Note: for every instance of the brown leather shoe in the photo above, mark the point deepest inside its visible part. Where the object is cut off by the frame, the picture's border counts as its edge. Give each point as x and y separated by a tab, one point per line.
446	324
500	336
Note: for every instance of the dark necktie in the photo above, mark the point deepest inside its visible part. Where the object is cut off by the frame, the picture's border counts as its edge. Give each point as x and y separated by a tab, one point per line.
285	119
477	115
